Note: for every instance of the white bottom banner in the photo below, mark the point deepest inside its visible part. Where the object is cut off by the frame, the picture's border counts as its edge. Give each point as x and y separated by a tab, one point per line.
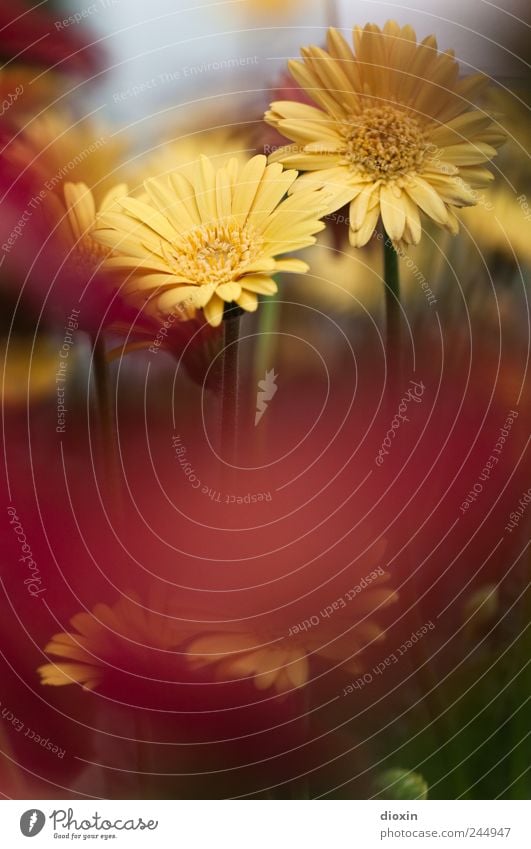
262	824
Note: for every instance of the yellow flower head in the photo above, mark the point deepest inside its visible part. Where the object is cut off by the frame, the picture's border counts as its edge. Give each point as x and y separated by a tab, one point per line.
86	254
279	657
213	237
124	636
393	132
29	369
220	144
245	654
64	148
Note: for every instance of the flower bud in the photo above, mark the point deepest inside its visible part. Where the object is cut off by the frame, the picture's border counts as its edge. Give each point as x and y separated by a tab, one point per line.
401	784
481	606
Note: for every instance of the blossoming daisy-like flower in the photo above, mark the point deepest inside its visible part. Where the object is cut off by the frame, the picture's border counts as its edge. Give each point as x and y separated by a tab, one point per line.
249	655
279	657
65	262
123	637
220	144
86	253
29	370
61	148
30	34
393	131
187	336
212	238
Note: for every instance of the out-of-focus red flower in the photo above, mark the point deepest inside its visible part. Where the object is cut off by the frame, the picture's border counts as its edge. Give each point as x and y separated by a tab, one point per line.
33	35
43	259
194	342
278	545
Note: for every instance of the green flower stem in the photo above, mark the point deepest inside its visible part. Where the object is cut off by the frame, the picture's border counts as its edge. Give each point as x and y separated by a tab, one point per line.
521	669
393	318
268	320
266	348
106	419
229	386
427	683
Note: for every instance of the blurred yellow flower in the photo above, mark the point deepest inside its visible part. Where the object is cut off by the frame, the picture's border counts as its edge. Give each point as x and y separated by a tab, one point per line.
64	148
513	105
23	91
271	7
87	254
213	238
341	280
349	280
220	144
481	608
108	640
394	132
29	366
498	224
246	655
279	658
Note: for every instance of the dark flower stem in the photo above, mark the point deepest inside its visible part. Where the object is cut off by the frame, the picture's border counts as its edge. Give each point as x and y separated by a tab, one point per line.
229	386
265	353
105	414
423	671
393	318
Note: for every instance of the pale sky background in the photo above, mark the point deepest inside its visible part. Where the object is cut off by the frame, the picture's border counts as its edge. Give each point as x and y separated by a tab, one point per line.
148	39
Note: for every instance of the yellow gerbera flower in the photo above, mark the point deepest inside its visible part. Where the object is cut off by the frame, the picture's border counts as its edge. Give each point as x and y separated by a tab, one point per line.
29	368
212	238
85	259
220	144
246	655
341	280
113	638
64	148
394	132
80	219
499	225
280	659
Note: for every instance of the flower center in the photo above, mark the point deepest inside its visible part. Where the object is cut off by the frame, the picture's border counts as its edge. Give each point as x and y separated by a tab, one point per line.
214	253
384	142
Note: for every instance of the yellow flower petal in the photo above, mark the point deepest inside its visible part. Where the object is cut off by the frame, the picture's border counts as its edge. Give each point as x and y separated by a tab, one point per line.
393	213
247	301
147	215
205	189
81	208
427	198
214	311
259	284
358	238
247	186
292	265
392	113
229	291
